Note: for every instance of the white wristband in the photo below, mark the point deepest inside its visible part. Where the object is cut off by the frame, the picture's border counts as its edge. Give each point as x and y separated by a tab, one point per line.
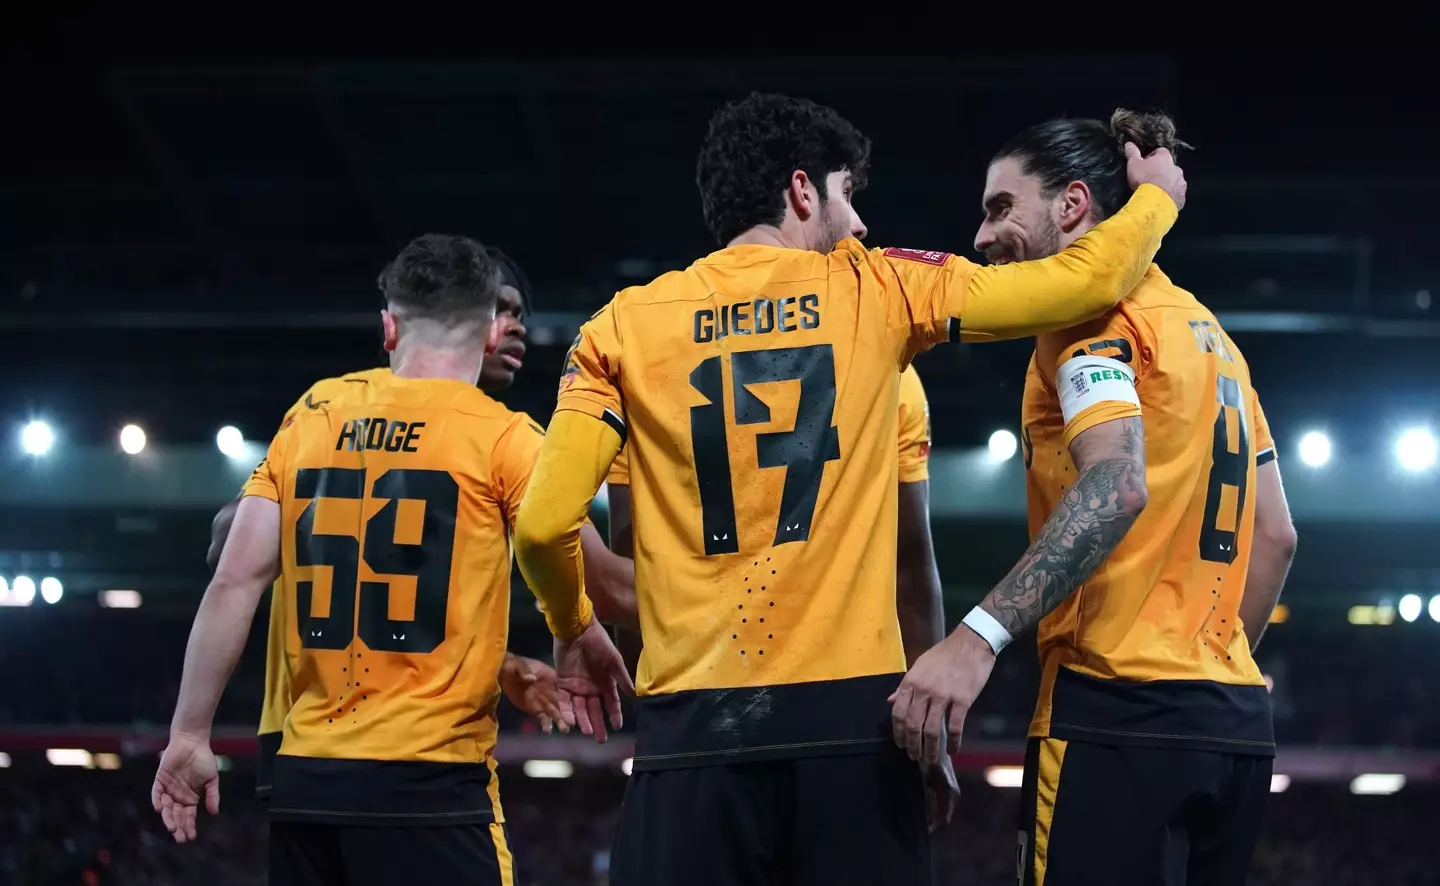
984	624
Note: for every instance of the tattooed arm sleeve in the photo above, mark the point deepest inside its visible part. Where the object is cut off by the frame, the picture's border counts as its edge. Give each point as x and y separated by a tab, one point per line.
1087	524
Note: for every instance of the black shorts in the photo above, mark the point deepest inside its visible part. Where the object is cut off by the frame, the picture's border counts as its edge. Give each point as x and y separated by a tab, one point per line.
337	855
1121	815
817	821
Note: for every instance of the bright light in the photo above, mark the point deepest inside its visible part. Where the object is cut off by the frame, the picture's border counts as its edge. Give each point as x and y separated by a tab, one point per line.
224	763
4	760
1377	783
231	441
107	761
1410	606
1004	776
1278	783
70	757
1280	614
37	438
1416	449
548	768
1435	608
1002	445
22	590
120	599
132	439
51	590
1315	449
627	765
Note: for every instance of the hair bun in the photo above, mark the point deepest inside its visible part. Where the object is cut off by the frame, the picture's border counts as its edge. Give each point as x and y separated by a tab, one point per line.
1149	131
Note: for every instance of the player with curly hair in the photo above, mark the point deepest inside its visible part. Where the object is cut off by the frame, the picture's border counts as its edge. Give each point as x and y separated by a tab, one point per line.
758	390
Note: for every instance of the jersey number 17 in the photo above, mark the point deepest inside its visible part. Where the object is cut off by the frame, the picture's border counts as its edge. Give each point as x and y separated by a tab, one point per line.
802	451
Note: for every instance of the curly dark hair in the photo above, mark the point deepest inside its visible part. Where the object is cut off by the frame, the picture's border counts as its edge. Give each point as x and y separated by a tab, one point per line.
1065	150
441	277
752	148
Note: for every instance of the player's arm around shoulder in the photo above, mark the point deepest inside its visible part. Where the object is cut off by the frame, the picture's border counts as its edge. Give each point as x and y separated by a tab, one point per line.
1275	539
954	299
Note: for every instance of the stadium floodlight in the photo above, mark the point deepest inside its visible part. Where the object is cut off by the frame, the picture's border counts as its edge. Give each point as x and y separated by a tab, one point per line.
1002	445
51	590
37	437
22	590
627	765
120	599
1416	449
70	757
1377	783
4	760
231	442
1004	776
548	768
1410	606
1435	608
1279	782
1315	449
132	439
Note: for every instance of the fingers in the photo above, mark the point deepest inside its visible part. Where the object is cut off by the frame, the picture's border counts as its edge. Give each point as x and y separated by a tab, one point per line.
596	713
955	728
932	734
900	701
1132	151
915	724
155	795
187	818
544	723
212	797
581	713
612	707
567	709
622	678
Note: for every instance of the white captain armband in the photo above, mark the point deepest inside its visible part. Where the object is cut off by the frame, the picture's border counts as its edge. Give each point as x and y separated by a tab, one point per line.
1085	381
984	624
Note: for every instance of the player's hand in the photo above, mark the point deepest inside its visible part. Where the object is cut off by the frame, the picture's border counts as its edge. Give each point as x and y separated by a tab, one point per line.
941	793
937	693
187	772
589	675
1158	169
530	686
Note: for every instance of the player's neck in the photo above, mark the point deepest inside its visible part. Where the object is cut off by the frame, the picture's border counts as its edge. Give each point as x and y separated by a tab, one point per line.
458	364
768	235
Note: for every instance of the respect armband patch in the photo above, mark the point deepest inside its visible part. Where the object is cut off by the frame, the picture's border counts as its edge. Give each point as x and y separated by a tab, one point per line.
924	256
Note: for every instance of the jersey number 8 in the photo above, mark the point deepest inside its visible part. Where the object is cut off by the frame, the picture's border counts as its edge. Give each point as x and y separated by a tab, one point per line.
428	561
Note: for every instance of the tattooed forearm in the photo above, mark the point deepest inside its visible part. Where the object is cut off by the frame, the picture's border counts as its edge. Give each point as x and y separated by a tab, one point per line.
1087	524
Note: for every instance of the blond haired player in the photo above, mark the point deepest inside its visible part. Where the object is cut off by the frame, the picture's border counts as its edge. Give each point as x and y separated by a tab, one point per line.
757	391
1161	542
385	512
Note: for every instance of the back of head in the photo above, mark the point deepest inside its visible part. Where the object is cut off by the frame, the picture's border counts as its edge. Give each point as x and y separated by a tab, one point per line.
752	148
1065	150
443	280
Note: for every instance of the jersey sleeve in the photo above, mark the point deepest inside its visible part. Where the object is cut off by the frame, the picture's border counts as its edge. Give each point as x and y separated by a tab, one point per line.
267	480
591	380
914	429
514	461
950	298
1095	369
620	469
1264	442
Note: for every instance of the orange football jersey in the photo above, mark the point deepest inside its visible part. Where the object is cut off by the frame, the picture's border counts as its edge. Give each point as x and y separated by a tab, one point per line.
1151	648
914	423
397	498
759	392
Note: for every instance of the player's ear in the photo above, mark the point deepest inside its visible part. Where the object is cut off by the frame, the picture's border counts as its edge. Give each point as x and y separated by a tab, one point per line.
801	194
1074	205
390	324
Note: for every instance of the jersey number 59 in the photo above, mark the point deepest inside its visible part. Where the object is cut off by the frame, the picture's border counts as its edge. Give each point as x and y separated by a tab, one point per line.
428	561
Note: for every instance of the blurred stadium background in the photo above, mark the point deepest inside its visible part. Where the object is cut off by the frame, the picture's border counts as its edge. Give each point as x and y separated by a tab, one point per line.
184	248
